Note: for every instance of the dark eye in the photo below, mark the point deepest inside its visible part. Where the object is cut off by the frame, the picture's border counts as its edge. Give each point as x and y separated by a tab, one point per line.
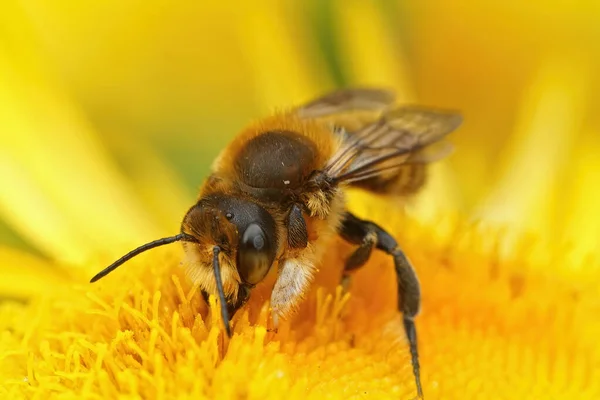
254	255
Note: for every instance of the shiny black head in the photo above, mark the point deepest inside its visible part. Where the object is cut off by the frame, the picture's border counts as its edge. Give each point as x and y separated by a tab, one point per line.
245	231
223	227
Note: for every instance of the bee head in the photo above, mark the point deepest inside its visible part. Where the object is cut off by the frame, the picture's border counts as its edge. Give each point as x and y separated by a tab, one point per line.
244	232
228	241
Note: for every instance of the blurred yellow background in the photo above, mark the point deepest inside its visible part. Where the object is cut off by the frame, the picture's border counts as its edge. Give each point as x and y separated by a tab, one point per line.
111	112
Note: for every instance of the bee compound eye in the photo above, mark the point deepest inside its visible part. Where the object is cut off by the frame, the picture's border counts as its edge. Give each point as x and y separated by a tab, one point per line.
258	242
254	238
254	254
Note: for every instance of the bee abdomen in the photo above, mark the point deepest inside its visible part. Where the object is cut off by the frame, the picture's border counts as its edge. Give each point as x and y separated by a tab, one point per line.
404	181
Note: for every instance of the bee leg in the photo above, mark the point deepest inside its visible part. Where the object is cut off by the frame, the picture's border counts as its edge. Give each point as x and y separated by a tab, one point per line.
297	234
242	298
233	304
205	296
366	241
361	232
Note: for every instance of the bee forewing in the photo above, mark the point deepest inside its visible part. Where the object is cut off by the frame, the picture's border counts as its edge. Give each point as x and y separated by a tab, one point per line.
431	153
424	125
399	136
359	99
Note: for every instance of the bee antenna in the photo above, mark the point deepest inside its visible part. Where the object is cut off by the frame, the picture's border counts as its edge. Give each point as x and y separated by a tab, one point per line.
217	269
182	237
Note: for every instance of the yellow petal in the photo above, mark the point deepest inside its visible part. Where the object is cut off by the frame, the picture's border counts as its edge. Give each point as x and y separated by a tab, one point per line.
581	195
25	207
550	119
25	276
286	69
146	66
161	189
370	52
52	145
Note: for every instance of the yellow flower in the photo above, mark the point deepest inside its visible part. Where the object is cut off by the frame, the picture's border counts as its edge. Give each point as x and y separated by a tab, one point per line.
509	296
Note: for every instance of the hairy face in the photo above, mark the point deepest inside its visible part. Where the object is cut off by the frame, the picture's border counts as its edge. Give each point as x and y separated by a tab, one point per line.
246	235
211	227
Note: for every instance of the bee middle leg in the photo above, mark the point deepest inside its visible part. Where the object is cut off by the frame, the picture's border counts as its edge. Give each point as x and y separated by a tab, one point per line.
365	238
369	235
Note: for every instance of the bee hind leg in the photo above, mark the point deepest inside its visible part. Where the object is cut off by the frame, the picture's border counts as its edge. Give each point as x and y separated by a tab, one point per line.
369	235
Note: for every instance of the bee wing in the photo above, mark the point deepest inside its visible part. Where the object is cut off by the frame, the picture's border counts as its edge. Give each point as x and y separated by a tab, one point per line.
399	137
344	100
403	177
348	109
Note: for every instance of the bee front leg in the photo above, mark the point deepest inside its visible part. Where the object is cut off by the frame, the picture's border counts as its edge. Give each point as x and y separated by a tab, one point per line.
233	305
368	235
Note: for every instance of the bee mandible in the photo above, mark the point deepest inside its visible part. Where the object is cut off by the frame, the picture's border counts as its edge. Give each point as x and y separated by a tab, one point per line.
276	197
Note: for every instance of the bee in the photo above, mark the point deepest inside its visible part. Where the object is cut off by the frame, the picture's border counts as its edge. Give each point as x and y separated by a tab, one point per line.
276	198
